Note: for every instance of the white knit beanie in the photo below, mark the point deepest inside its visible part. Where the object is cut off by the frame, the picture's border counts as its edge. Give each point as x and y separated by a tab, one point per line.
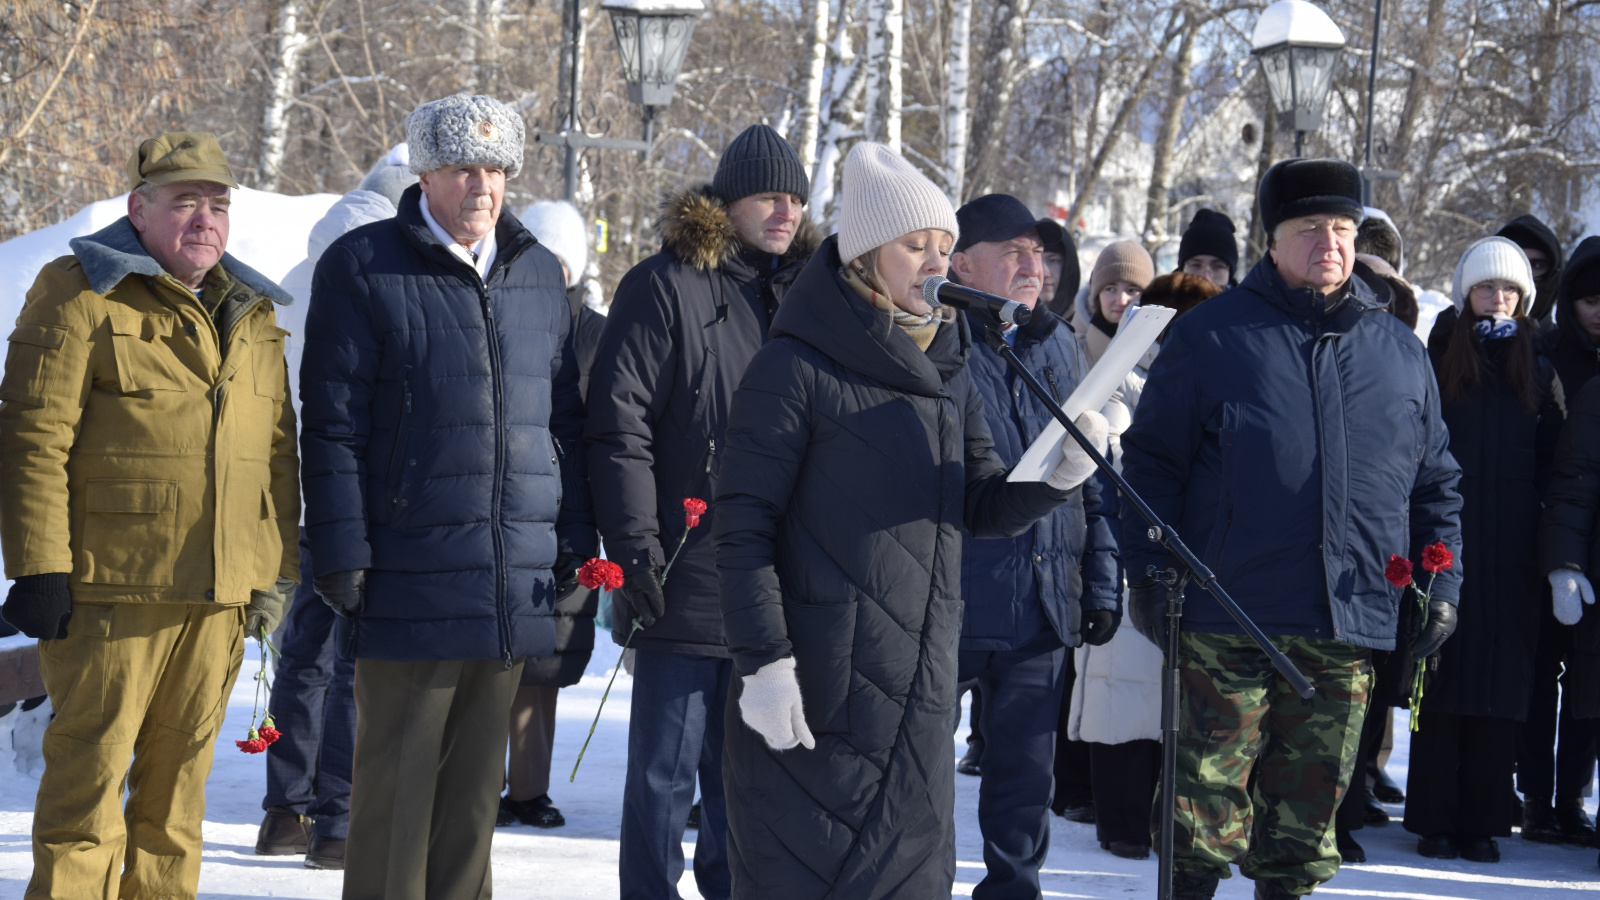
560	228
1488	259
884	198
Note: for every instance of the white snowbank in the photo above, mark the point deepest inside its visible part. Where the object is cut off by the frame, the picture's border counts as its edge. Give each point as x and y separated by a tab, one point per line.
656	6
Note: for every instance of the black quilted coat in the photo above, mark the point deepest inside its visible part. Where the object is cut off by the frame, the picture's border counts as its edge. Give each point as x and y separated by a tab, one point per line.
853	461
1569	538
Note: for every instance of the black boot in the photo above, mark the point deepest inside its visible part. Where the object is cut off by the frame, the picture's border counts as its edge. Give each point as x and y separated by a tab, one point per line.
694	816
1193	885
1374	813
1539	824
968	764
1574	823
325	852
1438	846
1349	850
1385	789
538	812
283	833
1478	849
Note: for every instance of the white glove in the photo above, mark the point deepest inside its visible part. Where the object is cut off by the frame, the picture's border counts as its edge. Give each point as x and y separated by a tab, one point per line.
770	705
1118	418
1076	466
1566	587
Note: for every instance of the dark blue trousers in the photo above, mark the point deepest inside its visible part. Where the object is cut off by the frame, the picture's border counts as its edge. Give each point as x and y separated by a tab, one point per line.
313	703
674	731
1021	702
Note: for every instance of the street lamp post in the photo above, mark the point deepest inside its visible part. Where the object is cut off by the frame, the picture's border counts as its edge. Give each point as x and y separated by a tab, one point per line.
652	38
1298	46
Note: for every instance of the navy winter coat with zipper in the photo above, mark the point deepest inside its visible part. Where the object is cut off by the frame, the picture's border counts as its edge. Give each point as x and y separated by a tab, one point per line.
683	326
1067	562
441	439
1294	448
853	462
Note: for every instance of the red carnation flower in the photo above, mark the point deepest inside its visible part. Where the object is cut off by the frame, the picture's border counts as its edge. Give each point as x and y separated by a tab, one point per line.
1436	558
600	573
1399	570
693	509
270	735
254	745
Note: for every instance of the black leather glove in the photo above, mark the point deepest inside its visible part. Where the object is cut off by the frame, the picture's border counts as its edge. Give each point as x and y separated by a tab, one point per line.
1147	607
1440	625
39	605
345	592
566	571
641	590
1098	626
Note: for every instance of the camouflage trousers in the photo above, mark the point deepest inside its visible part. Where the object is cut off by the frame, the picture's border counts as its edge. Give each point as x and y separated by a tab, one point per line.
1261	771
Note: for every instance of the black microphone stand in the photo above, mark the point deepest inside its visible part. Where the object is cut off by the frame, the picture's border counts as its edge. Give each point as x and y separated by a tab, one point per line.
1176	580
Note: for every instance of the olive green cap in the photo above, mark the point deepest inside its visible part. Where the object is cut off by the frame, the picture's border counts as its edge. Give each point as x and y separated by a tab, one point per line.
180	156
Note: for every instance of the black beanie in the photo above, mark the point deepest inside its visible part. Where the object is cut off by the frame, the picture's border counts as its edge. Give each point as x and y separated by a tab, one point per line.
1309	187
758	161
1210	233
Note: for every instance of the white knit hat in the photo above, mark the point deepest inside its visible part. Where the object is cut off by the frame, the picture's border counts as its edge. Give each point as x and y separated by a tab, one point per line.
884	198
560	228
1488	259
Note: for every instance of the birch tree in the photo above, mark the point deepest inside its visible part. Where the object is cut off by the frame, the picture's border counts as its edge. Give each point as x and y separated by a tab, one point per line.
956	114
282	78
816	71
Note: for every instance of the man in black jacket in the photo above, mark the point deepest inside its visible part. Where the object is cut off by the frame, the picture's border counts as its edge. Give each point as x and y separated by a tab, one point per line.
683	325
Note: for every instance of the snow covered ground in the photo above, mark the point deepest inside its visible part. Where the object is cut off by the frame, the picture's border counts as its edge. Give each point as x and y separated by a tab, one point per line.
580	860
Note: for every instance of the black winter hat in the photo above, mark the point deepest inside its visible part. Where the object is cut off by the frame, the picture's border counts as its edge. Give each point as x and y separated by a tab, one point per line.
759	161
1528	232
1210	233
1056	239
1582	277
992	217
1308	187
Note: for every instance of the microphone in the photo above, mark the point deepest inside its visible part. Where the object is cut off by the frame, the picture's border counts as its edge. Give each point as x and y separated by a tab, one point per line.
938	288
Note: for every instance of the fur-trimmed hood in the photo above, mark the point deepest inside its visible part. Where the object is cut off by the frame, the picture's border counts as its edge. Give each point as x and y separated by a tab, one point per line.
695	227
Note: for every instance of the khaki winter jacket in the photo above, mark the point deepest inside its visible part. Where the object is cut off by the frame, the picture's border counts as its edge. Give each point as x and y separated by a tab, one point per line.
140	451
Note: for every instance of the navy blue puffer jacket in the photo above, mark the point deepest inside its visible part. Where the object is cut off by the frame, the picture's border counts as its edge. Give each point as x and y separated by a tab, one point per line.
441	439
1067	562
1294	449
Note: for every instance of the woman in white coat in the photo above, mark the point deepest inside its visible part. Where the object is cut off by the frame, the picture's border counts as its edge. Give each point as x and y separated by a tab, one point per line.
1116	696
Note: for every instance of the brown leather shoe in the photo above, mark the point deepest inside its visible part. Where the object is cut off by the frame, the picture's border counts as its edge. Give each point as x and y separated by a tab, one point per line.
283	833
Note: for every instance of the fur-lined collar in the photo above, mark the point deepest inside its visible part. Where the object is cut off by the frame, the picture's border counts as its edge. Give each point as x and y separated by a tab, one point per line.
114	252
694	226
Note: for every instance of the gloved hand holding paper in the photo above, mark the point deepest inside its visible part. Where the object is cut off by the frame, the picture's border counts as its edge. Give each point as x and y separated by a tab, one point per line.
1139	329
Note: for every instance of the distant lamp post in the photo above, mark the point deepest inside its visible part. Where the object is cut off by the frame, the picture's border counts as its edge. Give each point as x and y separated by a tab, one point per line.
1298	46
652	37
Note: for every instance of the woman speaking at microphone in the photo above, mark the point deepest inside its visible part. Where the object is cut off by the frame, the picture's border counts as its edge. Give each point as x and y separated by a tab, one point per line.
857	452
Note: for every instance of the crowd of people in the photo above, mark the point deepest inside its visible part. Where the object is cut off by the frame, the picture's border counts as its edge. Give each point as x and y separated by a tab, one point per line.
468	432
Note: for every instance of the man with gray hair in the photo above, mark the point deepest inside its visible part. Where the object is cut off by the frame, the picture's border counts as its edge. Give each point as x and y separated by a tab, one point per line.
445	492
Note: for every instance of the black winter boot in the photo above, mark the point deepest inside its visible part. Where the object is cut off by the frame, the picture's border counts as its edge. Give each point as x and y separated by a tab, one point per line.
1193	885
1574	822
283	833
1539	824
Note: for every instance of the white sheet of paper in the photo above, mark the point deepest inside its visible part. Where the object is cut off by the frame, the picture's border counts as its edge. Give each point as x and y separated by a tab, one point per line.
1139	329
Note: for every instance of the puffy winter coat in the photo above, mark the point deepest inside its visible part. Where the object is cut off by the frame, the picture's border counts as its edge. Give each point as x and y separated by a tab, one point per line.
853	461
683	326
147	446
1116	696
1505	452
442	439
574	612
1569	538
1049	574
1294	449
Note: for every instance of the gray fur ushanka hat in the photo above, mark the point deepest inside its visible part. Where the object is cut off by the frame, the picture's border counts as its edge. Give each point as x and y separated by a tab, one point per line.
465	130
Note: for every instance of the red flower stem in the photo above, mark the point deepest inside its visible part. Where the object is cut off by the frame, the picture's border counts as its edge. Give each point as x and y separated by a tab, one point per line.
632	630
675	554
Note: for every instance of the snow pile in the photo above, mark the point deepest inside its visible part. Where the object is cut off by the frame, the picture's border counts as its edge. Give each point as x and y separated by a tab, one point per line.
1297	21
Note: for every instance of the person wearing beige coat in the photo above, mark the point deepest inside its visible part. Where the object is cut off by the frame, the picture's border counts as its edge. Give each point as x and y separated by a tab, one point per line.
149	509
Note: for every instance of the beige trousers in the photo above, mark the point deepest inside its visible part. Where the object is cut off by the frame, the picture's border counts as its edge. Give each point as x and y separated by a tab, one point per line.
139	691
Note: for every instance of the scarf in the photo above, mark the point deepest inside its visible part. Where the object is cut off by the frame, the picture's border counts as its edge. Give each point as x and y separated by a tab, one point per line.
920	329
1495	328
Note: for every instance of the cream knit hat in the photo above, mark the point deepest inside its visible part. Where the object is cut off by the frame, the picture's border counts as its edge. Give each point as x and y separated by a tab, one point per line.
884	198
1488	259
1120	261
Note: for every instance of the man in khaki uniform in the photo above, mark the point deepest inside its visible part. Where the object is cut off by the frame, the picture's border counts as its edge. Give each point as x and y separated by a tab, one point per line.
148	515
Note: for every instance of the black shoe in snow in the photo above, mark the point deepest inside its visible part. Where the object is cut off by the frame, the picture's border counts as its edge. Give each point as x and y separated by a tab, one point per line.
1574	823
1126	849
1193	885
1375	814
283	833
694	816
325	852
1438	846
505	815
1478	849
968	764
538	812
1539	824
1385	789
1349	850
1080	812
